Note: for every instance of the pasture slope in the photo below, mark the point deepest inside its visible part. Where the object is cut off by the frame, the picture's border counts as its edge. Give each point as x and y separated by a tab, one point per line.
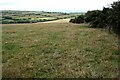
58	50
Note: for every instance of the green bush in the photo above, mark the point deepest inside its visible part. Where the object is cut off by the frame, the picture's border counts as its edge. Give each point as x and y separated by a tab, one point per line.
79	19
108	17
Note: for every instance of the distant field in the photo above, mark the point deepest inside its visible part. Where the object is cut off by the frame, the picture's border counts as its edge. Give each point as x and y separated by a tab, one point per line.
58	49
59	21
12	17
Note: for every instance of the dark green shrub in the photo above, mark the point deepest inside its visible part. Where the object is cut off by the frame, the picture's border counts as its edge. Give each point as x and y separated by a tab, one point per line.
79	19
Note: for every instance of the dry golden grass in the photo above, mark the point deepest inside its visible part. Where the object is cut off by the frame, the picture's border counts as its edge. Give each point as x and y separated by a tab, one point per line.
58	21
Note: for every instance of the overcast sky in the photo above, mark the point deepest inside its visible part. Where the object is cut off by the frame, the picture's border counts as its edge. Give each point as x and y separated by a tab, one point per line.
54	5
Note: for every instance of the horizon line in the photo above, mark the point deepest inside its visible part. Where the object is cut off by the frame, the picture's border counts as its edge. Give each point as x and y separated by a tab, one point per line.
64	11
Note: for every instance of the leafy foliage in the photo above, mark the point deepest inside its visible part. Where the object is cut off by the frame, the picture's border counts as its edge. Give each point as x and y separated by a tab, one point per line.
108	17
116	17
79	19
94	18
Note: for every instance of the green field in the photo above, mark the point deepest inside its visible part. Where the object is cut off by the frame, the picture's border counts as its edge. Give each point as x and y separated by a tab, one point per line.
49	50
12	16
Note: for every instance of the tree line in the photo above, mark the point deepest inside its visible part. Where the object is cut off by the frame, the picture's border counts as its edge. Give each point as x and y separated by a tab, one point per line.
107	18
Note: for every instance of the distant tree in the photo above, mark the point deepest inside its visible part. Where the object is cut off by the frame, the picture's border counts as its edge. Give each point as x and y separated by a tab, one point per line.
94	18
72	20
7	17
79	19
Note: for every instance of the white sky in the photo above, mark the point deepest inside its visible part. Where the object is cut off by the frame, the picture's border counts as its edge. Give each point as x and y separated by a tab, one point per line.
54	5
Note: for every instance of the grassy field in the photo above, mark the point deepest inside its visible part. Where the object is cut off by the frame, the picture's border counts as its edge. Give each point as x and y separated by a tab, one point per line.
49	50
12	16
